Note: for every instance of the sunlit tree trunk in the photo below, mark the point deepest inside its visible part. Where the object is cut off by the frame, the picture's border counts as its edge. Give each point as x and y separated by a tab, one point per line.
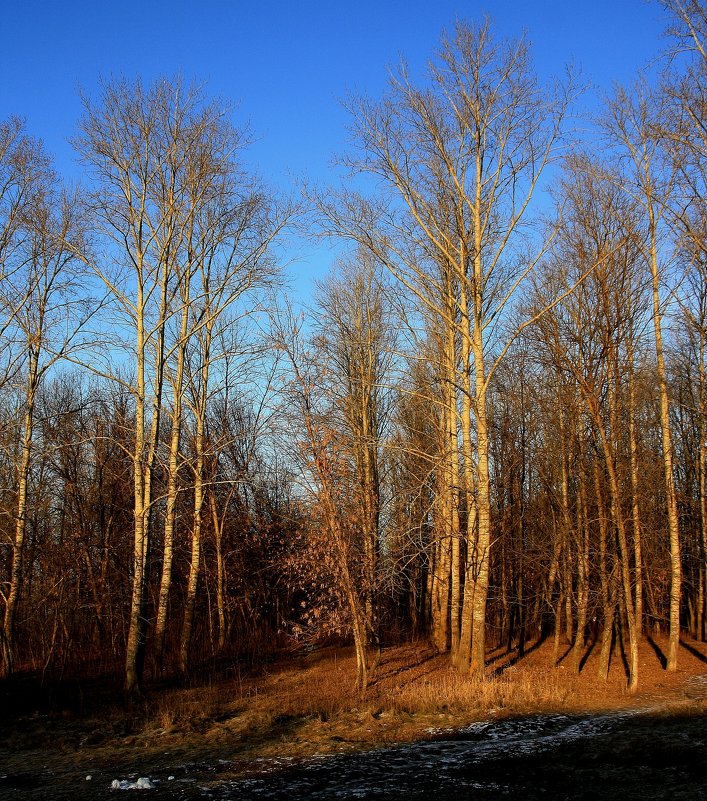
635	507
582	546
482	544
566	526
8	632
673	526
218	521
197	518
177	383
634	130
607	595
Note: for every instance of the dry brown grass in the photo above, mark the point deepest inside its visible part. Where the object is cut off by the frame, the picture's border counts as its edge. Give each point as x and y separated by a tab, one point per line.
184	709
309	705
450	690
313	690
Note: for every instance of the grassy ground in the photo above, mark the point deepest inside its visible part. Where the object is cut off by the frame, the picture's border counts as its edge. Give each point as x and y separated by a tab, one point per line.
311	700
306	705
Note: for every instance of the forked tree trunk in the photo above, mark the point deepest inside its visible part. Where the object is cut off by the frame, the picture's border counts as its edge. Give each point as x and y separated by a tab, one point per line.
218	523
172	482
618	521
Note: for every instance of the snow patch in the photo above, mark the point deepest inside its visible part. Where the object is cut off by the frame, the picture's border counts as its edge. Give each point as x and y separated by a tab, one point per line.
143	783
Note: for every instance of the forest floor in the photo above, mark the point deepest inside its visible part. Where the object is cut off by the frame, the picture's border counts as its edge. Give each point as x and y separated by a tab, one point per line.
193	741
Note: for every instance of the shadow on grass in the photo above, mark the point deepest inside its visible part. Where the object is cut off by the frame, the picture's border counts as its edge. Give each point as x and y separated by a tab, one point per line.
624	655
518	657
658	651
29	695
387	669
693	651
587	654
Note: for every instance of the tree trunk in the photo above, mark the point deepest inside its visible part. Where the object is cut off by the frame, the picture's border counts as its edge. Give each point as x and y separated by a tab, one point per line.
7	656
483	539
172	482
582	540
606	581
202	394
635	508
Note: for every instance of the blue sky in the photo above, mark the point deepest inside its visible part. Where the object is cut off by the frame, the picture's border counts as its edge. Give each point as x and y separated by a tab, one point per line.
285	66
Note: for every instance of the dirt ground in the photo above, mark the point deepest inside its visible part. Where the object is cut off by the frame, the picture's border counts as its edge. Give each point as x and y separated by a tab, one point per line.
276	729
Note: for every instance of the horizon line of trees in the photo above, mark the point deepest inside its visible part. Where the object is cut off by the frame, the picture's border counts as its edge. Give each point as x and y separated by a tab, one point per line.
490	428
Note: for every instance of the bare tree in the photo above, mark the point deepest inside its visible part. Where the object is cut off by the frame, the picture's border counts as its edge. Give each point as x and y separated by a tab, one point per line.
592	336
460	161
43	308
649	181
188	233
355	342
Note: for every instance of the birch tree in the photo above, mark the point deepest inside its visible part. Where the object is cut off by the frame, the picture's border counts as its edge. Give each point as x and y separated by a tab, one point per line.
187	232
43	308
459	160
649	181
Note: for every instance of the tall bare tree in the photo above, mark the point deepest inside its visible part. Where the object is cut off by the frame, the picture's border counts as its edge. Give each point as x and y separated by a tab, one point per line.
355	341
43	307
459	160
649	180
187	233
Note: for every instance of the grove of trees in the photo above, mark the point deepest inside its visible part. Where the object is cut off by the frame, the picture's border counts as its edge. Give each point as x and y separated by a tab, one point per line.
489	428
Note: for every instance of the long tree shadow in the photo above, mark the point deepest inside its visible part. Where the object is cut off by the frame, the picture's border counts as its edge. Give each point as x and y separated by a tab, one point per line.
658	652
503	654
624	656
587	654
693	651
564	656
387	670
517	657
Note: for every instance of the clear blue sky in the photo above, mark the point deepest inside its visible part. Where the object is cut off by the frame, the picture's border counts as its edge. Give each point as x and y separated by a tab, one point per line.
285	65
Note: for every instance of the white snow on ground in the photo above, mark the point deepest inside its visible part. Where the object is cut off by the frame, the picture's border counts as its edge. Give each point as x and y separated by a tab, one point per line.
143	783
478	742
364	775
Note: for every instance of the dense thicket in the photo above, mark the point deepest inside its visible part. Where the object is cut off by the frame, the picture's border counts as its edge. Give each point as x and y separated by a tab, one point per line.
490	428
